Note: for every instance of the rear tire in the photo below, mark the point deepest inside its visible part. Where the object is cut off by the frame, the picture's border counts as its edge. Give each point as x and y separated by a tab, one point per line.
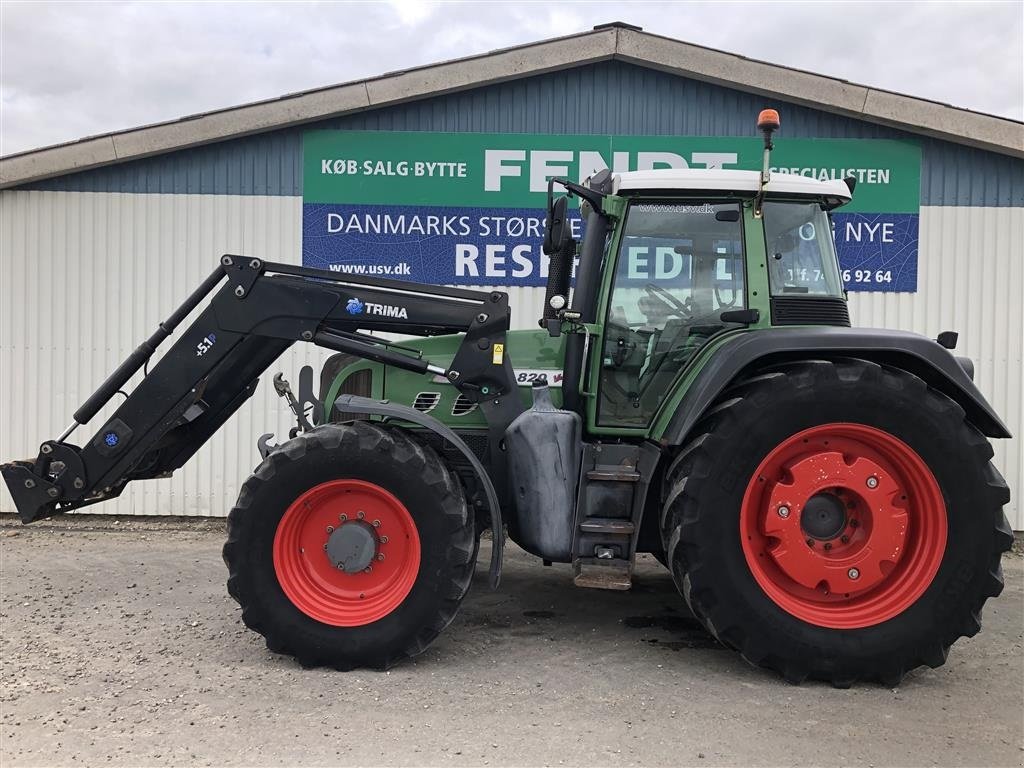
811	596
311	602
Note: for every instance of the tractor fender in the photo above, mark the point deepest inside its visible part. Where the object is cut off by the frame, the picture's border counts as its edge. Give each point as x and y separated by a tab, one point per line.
357	404
911	352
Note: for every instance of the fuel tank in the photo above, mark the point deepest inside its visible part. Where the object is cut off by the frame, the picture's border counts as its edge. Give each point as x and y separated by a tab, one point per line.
544	450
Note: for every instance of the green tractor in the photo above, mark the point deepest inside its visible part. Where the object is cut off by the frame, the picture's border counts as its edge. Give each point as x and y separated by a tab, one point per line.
822	495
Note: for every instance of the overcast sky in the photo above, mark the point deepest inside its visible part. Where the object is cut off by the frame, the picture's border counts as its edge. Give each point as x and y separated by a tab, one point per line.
69	70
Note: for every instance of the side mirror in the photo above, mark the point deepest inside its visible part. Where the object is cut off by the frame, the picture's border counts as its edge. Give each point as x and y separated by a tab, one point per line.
557	230
560	248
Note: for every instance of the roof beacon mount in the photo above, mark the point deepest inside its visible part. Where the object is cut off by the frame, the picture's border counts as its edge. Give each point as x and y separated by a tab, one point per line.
767	124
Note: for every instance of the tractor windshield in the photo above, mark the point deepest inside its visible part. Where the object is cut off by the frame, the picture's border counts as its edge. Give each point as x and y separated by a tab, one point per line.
801	250
678	268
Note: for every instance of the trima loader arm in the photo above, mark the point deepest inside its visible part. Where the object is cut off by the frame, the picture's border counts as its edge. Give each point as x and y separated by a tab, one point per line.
258	312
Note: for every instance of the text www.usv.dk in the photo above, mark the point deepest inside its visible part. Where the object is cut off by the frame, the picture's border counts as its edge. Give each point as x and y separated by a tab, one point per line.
402	268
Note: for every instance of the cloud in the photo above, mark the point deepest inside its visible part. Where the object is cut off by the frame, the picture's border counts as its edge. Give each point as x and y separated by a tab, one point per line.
69	70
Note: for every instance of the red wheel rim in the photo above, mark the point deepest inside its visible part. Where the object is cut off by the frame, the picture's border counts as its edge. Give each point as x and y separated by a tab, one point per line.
310	575
843	526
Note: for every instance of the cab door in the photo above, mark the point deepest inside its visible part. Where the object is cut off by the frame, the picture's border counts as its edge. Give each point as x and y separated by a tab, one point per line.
678	267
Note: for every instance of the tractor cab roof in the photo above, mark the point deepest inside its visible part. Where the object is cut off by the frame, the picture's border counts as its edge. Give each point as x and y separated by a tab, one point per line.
835	192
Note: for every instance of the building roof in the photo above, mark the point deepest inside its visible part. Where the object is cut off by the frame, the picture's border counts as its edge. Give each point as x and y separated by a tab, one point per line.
729	180
605	42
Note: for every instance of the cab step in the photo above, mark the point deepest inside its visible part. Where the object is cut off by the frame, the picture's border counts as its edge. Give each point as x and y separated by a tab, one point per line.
607	525
614	478
614	475
600	573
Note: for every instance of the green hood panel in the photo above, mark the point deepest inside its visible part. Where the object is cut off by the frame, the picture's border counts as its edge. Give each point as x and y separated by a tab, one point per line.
533	353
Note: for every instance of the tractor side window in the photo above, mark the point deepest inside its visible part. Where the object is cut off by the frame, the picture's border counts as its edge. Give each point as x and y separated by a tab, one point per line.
801	250
678	268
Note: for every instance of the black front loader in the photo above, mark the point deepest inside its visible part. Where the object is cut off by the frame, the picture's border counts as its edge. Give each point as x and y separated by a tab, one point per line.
259	311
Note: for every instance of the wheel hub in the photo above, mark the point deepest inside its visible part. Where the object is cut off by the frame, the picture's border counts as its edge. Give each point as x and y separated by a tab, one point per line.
824	516
352	547
346	552
843	525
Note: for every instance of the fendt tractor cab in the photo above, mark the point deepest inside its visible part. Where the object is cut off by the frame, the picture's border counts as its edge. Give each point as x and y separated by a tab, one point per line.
822	495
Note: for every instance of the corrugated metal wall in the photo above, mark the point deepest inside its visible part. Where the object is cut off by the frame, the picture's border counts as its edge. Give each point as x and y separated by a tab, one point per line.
85	276
606	98
970	278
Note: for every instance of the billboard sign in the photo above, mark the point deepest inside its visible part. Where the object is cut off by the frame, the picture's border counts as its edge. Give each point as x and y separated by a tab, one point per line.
468	208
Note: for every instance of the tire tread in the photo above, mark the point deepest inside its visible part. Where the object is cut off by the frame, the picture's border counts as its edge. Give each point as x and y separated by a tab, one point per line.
420	459
682	512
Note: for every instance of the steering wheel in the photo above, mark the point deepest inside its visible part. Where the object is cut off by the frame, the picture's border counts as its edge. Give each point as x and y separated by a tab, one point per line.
722	304
682	308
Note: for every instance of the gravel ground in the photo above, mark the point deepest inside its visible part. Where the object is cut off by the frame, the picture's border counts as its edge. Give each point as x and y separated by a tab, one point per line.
120	646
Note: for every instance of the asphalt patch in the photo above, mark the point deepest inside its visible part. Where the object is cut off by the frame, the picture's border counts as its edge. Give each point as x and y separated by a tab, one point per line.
687	632
539	614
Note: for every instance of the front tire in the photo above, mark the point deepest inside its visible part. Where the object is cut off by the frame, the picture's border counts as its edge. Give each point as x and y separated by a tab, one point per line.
836	520
350	546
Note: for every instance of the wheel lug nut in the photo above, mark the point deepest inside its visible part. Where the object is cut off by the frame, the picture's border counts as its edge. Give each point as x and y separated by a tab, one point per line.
341	566
828	545
872	482
380	556
325	547
330	529
810	543
383	539
783	511
368	569
342	517
360	514
854	523
853	573
376	523
845	539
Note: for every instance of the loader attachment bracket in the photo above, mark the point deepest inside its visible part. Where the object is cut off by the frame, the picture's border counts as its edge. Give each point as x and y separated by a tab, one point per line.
34	497
56	475
356	404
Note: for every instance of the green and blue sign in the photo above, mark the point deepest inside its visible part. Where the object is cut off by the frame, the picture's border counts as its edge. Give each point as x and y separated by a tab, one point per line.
469	208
